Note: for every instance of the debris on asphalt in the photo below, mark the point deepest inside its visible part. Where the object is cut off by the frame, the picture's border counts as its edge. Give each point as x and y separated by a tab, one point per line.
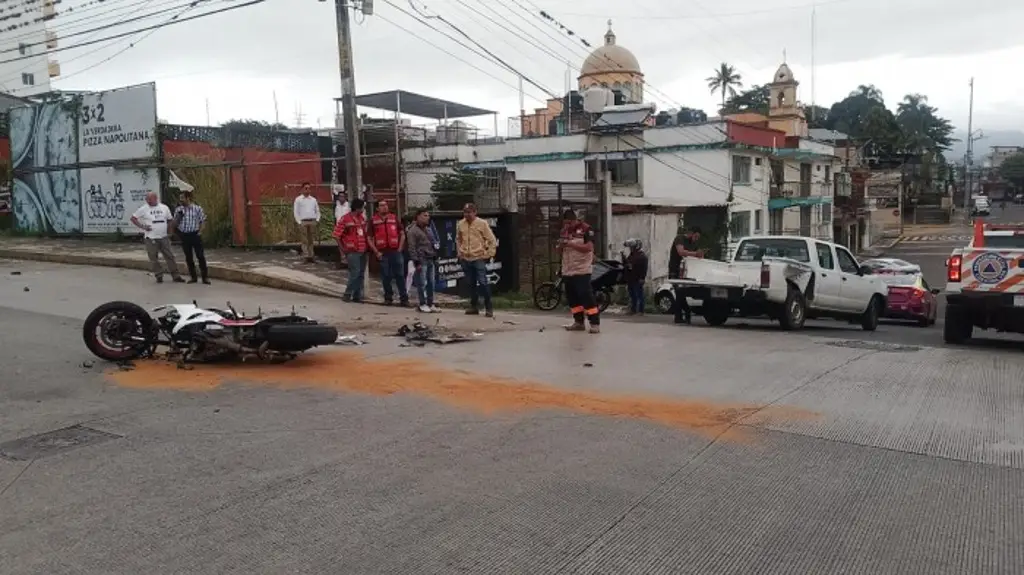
125	365
507	322
419	332
26	288
588	364
349	340
15	273
87	364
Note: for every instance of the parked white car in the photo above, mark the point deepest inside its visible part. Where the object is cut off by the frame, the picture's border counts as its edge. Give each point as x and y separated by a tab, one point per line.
788	279
665	298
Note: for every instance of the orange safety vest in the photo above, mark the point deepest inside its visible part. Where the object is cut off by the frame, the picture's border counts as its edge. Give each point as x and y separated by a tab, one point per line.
386	233
351	230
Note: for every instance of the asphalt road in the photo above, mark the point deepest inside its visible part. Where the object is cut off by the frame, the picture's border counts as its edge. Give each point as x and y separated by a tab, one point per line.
645	449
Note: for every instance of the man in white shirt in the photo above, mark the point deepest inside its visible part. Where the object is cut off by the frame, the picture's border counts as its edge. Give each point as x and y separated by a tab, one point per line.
155	219
307	215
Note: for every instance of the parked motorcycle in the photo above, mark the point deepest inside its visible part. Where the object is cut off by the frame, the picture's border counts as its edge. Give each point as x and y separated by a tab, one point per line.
606	275
121	331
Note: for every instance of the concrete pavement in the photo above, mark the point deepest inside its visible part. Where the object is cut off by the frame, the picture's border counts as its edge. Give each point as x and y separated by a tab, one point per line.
279	269
530	451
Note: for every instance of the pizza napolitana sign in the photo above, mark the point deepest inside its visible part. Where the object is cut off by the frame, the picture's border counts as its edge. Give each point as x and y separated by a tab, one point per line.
117	125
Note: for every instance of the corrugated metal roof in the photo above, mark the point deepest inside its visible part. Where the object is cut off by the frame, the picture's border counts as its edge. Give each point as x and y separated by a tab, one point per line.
826	135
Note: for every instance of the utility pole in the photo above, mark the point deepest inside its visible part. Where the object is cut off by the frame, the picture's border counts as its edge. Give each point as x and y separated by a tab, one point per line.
968	155
353	156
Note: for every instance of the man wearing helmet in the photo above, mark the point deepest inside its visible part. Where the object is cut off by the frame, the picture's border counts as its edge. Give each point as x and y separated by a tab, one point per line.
634	274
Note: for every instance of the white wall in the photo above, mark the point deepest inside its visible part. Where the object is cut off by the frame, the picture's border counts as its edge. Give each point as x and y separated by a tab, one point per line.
656	231
687	178
37	65
563	171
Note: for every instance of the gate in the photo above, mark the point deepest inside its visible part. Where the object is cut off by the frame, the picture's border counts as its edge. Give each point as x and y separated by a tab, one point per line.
541	205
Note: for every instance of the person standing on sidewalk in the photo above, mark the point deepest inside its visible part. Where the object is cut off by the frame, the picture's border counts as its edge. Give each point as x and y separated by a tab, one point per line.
387	242
423	253
635	273
476	245
189	219
307	215
351	235
684	246
577	245
154	218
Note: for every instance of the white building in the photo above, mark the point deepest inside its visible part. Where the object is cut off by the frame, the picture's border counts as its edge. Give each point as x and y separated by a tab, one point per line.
27	44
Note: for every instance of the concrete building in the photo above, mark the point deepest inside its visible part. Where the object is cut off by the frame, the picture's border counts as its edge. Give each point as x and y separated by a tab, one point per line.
999	154
27	37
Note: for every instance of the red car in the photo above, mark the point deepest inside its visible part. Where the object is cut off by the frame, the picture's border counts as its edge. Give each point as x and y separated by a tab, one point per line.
910	298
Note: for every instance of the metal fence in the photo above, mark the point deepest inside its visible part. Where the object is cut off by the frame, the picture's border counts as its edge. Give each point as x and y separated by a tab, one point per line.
541	206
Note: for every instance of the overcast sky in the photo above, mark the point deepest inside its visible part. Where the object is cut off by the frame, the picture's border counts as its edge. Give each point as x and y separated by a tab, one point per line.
238	60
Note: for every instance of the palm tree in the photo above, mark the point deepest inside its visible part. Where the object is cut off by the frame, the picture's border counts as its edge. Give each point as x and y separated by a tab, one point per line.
868	91
725	80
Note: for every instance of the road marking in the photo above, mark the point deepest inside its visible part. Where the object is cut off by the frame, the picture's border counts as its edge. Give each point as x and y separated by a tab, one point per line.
938	238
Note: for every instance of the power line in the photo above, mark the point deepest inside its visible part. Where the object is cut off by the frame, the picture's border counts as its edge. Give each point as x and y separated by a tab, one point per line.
111	13
709	15
126	48
132	32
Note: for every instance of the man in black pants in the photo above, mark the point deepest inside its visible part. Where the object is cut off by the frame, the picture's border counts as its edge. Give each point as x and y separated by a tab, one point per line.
577	245
684	246
189	219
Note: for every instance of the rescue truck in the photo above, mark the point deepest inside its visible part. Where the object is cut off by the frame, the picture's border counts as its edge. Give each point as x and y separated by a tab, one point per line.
985	283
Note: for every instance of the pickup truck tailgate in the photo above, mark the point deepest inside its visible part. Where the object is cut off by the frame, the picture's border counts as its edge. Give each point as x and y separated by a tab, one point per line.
716	273
989	270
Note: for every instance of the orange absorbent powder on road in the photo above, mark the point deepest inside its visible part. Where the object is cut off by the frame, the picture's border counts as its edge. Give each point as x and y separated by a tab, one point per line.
352	372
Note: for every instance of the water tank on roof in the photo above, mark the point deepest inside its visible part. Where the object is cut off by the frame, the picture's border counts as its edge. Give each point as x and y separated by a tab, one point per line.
574	100
596	99
456	132
663	119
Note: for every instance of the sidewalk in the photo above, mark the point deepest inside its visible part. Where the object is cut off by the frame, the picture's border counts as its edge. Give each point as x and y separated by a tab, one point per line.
278	269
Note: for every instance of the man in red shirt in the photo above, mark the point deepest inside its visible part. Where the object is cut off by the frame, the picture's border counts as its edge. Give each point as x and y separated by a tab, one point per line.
351	235
387	242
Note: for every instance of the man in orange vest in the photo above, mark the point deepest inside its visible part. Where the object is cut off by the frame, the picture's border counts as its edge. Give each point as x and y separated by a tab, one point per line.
387	242
351	235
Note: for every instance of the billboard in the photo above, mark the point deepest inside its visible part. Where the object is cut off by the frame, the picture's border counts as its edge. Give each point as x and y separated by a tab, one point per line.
44	161
50	141
116	125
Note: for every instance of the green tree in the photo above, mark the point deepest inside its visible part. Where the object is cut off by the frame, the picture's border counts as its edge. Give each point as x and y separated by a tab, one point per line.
454	189
817	116
257	125
755	100
725	80
1012	170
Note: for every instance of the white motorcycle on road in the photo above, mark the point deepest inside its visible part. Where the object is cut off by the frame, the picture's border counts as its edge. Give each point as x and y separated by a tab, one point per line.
121	331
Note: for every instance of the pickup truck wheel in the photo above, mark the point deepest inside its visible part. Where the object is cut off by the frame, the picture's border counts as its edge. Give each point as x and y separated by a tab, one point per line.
958	327
716	314
869	321
794	311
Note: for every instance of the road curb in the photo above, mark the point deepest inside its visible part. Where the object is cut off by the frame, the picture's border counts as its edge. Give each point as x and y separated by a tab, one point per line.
216	272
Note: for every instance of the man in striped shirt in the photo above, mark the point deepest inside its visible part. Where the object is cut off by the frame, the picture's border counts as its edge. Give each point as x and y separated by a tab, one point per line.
189	219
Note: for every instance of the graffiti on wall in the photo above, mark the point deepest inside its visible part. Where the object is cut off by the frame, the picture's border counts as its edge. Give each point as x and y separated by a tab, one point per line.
46	197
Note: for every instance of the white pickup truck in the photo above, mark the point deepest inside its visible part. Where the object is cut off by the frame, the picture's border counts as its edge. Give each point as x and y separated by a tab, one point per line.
785	278
985	283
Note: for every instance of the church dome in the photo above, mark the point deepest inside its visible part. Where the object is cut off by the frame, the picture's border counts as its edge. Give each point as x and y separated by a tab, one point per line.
610	58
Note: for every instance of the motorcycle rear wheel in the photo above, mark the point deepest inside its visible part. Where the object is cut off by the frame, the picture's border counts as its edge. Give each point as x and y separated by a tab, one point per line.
299	337
118	331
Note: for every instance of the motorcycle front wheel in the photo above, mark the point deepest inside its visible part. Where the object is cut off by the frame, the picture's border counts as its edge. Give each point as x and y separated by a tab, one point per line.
604	299
118	331
547	296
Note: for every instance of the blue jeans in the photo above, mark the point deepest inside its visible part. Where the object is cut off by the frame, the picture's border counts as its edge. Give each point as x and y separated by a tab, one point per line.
356	272
393	270
476	275
636	297
424	280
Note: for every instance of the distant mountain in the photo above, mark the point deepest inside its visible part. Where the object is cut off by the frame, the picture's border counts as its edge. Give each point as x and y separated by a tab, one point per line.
981	147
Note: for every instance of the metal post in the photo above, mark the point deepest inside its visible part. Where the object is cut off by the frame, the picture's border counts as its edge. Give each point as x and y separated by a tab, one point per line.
968	160
353	159
398	156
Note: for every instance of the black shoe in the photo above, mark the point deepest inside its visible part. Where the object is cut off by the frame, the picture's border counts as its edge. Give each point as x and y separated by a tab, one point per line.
472	311
404	303
159	279
489	313
206	281
346	297
193	280
179	280
389	302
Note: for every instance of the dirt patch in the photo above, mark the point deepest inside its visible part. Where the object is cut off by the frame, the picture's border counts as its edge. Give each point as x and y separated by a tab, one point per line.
352	372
